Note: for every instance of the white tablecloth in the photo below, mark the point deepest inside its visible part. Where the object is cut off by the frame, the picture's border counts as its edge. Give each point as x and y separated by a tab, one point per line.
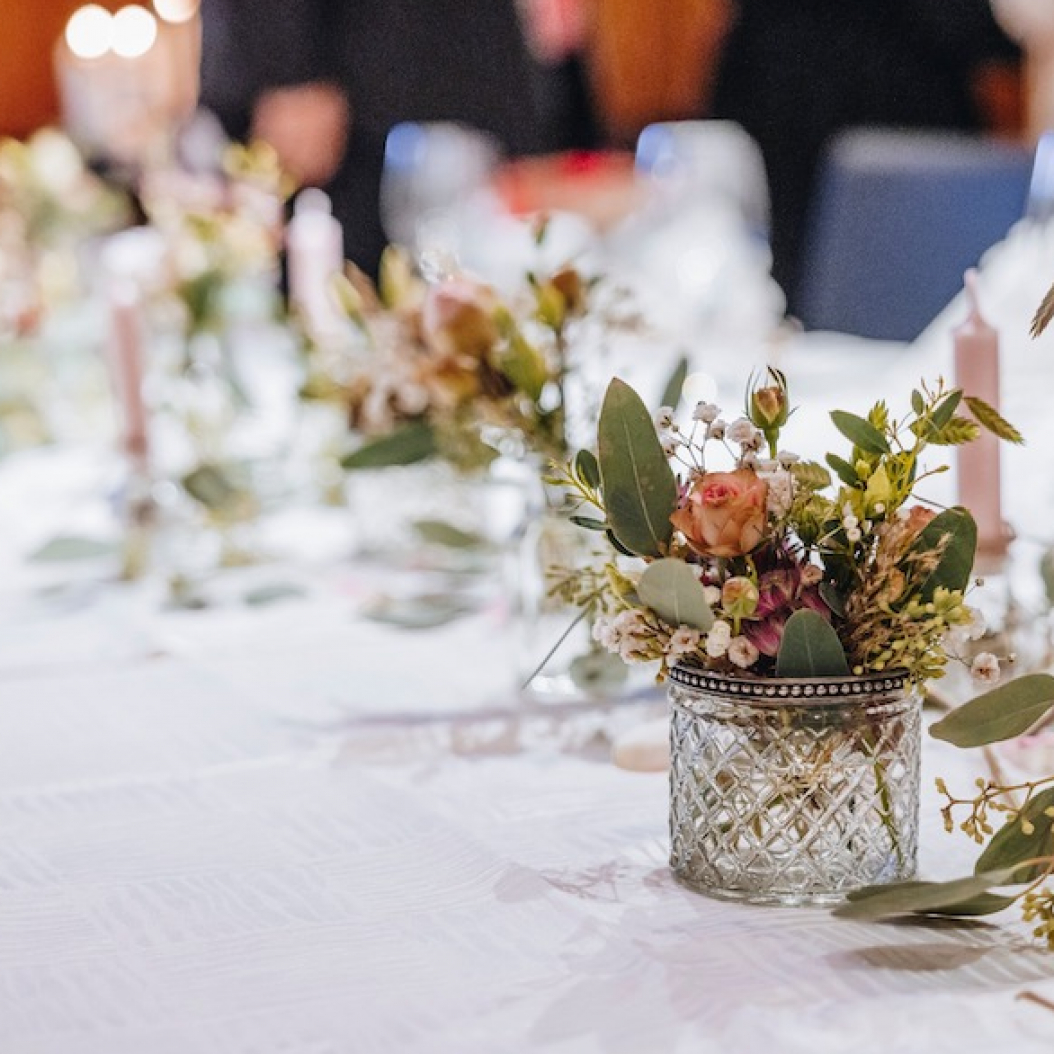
289	830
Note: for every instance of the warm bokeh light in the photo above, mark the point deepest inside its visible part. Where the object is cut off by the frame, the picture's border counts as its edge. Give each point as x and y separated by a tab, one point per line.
176	11
89	32
134	31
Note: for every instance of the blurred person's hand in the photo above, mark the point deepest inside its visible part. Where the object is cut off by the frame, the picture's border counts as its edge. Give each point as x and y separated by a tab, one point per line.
307	124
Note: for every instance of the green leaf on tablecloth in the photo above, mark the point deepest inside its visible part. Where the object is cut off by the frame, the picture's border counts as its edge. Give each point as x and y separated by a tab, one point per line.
860	432
598	670
988	417
439	532
269	594
417	613
407	445
640	490
956	562
71	547
1027	836
975	907
674	390
923	898
810	648
1002	713
673	591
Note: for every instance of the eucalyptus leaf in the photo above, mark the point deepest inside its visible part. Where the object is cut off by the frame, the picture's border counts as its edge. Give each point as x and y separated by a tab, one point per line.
830	595
1011	844
640	490
860	432
810	648
407	445
71	547
672	590
439	532
956	563
975	907
843	470
617	545
945	409
674	390
590	523
920	898
1002	713
587	469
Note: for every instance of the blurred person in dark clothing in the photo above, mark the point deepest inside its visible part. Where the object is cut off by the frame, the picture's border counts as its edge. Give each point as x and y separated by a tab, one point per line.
325	80
795	72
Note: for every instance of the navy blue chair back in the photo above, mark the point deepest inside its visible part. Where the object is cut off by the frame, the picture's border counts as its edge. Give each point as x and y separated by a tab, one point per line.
897	218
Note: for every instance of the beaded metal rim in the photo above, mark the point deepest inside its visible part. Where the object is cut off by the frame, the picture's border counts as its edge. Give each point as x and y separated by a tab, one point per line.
779	689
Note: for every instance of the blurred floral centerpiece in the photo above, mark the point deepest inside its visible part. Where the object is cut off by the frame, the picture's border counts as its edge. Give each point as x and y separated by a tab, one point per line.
798	609
450	369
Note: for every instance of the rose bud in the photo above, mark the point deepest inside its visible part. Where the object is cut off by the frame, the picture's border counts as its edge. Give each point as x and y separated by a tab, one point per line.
723	513
568	283
739	597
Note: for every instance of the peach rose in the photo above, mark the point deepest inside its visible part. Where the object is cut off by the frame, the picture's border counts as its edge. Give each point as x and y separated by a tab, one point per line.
724	513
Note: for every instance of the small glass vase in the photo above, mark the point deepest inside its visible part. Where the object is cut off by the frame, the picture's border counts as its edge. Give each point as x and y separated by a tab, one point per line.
792	791
559	661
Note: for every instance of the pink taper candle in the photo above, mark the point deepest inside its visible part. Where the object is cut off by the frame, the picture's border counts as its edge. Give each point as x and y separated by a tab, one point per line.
977	374
126	335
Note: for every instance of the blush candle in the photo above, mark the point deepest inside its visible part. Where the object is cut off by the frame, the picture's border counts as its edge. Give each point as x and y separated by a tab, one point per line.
126	337
976	347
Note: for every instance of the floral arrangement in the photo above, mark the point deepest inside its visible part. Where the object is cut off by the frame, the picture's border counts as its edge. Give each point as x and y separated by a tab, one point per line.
450	368
48	190
762	565
768	568
219	229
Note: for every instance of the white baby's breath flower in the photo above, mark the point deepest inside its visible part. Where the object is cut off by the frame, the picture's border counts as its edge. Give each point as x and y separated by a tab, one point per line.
985	668
713	595
718	639
706	412
767	464
754	443
664	418
741	431
780	494
716	430
605	634
853	534
786	458
684	641
749	460
742	653
669	445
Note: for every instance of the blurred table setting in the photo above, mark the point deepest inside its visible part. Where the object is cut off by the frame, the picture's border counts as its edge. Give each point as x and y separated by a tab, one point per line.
294	752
